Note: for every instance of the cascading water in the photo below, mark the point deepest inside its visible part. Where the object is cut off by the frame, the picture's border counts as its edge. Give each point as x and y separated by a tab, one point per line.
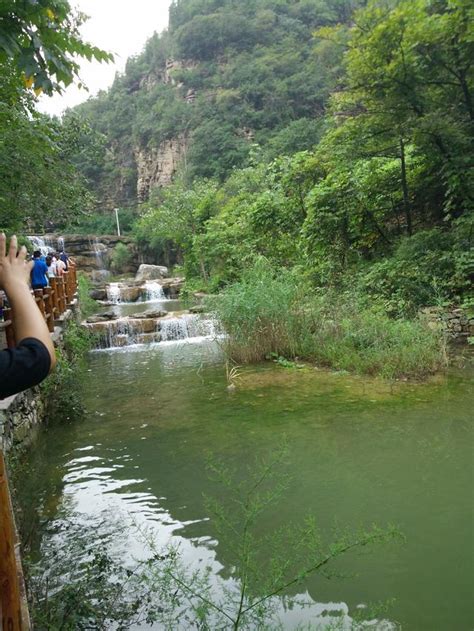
100	252
113	293
132	331
41	244
46	244
154	291
186	327
127	332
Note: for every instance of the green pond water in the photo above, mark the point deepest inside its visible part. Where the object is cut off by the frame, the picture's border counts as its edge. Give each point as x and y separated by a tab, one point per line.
359	451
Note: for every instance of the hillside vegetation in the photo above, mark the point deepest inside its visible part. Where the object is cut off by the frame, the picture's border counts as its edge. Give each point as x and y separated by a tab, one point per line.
333	138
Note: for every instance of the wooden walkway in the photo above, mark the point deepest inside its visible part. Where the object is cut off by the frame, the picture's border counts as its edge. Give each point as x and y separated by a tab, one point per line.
52	301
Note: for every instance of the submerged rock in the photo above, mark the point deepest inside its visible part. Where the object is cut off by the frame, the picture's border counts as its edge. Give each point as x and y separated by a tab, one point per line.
197	309
149	313
102	317
98	294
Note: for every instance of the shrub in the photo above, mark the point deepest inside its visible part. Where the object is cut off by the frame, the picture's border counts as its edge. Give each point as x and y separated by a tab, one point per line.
425	269
120	257
259	313
270	313
86	304
367	341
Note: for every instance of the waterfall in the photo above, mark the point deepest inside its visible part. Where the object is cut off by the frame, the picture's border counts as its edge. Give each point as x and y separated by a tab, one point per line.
186	327
113	293
126	332
41	244
46	245
154	291
100	252
131	331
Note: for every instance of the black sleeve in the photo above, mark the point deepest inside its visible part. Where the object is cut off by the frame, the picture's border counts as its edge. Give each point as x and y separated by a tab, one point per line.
24	366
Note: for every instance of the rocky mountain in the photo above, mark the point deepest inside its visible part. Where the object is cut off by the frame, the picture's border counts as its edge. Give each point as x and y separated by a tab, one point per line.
226	80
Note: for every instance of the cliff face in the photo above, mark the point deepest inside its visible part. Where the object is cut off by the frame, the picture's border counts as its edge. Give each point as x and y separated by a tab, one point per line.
225	75
156	167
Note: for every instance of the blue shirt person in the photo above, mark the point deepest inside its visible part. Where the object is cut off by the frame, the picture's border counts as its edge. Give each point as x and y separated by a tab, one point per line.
39	273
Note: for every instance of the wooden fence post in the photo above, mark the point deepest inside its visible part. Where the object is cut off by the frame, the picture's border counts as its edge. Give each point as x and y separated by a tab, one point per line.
67	287
38	293
54	297
61	296
49	309
12	596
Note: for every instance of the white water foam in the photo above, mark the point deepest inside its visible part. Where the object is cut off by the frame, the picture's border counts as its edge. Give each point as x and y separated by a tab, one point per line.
154	291
41	244
186	327
125	332
113	293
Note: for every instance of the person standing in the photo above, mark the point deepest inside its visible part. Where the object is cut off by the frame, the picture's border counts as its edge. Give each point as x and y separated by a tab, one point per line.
60	267
39	273
33	357
65	259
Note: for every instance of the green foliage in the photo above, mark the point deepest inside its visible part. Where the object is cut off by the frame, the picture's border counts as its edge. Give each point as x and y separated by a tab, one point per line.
269	313
40	46
121	257
86	304
241	72
179	213
43	40
104	223
257	314
62	388
432	267
341	334
38	184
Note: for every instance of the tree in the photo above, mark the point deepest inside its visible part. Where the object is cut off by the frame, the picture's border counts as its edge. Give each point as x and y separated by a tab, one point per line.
410	82
40	45
42	40
179	213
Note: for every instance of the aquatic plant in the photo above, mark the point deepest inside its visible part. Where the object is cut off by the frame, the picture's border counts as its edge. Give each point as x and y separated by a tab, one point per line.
270	313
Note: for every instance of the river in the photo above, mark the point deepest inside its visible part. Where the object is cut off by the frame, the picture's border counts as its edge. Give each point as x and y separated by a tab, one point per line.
359	451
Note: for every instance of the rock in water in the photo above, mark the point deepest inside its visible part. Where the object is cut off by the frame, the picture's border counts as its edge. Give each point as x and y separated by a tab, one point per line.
102	317
150	313
151	272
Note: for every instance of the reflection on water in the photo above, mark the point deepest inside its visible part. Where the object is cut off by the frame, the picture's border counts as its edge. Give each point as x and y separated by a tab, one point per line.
360	451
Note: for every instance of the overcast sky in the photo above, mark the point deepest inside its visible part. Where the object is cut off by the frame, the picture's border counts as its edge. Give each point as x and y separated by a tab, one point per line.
118	26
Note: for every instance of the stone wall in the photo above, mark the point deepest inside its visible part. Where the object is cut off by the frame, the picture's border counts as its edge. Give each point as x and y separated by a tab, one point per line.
20	414
454	322
93	253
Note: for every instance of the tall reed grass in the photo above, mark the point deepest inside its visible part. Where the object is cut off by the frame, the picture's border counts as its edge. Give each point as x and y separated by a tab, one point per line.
268	311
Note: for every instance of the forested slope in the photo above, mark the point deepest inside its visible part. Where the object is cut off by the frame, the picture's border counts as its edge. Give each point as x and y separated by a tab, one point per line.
333	139
224	76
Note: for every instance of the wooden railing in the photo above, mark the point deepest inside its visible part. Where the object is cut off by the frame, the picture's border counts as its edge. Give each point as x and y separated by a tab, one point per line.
52	301
13	604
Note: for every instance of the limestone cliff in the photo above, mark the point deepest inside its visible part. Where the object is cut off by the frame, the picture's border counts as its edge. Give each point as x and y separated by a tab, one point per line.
157	166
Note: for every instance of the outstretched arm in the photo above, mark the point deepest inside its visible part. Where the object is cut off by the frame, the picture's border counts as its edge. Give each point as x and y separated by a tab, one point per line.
14	277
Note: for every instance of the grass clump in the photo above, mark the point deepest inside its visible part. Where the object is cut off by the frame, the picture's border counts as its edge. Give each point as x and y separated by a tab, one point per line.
259	314
86	304
62	390
269	313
